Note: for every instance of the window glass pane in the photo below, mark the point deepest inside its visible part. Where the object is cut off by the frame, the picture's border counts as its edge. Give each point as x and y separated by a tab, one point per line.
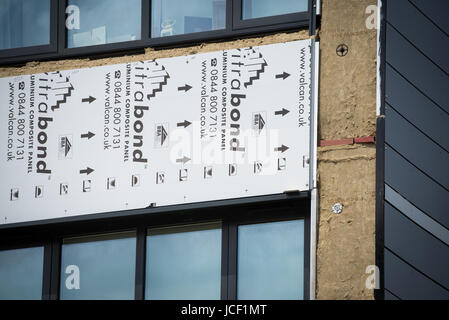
105	21
265	8
172	17
99	267
184	263
24	23
271	261
21	273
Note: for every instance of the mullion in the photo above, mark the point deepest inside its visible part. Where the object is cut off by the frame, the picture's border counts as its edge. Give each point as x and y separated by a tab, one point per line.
229	16
232	261
145	34
140	263
224	259
51	272
312	18
62	32
46	280
55	269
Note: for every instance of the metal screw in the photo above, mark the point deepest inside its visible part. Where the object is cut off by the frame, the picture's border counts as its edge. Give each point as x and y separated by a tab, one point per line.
337	208
342	50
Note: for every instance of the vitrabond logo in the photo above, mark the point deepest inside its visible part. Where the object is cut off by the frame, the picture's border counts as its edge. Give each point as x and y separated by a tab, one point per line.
247	66
150	77
53	91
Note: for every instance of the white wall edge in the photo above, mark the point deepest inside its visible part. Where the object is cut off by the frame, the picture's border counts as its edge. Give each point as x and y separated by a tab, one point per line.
316	89
378	77
314	190
313	242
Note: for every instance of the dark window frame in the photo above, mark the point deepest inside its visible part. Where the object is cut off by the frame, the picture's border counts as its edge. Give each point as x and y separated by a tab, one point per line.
230	213
235	28
240	23
41	49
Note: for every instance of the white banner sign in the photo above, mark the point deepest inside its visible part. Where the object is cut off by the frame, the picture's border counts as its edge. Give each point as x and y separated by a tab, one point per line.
212	126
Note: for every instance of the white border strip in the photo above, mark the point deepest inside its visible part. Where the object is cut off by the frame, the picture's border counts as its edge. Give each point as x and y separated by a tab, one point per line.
314	123
313	166
318	7
378	79
313	245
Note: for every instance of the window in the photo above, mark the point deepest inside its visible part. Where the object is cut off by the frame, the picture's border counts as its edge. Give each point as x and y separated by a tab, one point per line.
24	23
264	8
103	22
98	267
21	274
271	261
184	263
248	251
173	17
51	29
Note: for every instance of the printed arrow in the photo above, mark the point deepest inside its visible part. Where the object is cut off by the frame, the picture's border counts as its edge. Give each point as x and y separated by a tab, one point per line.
86	171
87	135
282	112
184	124
90	99
185	88
183	160
283	76
281	149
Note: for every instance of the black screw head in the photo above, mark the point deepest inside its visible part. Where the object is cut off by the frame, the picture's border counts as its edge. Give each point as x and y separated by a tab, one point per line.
342	50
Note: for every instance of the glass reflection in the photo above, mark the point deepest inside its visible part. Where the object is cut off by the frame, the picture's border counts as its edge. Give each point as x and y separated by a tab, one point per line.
271	261
184	263
24	23
174	17
264	8
98	267
105	21
21	273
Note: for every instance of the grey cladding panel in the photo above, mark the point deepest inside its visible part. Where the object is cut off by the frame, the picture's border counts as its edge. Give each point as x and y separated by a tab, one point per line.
412	244
422	32
416	187
416	215
416	147
416	108
409	284
417	68
436	11
389	296
415	219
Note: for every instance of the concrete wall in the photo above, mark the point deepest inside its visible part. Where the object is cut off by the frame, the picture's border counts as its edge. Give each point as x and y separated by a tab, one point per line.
347	110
